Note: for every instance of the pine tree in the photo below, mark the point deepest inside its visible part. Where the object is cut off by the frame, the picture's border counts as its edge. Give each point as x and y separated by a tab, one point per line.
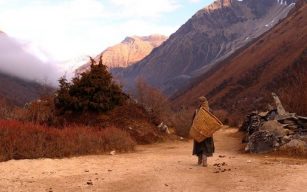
92	91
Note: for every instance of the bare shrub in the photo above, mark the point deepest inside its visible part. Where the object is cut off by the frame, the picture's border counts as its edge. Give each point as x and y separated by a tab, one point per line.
154	101
20	140
159	108
182	121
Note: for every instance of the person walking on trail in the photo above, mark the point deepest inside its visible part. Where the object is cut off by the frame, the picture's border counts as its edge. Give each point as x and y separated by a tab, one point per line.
206	148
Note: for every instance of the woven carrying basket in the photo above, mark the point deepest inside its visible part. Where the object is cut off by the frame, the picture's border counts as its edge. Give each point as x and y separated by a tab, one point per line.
204	125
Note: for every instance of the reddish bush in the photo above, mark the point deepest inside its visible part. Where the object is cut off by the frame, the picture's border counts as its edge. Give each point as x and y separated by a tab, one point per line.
28	141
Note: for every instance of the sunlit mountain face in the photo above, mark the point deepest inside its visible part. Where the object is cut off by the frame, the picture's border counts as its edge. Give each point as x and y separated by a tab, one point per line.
128	52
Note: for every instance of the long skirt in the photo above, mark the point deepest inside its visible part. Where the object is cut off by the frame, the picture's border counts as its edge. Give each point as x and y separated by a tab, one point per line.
205	147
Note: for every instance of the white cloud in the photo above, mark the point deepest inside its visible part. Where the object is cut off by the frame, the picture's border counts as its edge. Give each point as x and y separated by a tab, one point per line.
195	1
71	28
26	61
58	31
137	8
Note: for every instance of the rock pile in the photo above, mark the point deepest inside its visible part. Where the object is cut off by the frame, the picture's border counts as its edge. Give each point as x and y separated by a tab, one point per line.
275	130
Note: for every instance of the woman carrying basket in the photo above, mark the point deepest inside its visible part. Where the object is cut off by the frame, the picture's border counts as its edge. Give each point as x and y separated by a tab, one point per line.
205	148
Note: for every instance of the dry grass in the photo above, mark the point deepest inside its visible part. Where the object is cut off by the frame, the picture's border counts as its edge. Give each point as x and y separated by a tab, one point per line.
297	83
29	141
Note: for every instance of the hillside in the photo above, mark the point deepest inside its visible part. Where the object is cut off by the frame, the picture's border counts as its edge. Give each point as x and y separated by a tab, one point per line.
129	51
275	62
211	35
17	91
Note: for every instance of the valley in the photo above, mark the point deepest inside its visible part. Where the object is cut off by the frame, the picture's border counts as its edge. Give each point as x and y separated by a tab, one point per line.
124	118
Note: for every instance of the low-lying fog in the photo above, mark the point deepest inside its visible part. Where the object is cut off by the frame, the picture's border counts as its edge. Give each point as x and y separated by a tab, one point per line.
26	61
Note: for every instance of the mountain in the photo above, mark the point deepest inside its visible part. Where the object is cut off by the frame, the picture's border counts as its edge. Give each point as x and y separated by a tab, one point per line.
276	62
21	66
210	36
18	91
129	51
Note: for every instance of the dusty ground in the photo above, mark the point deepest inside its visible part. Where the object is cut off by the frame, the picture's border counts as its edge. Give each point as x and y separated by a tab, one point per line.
159	167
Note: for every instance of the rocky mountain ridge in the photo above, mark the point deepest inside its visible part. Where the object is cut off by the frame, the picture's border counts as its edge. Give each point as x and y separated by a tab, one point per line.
210	36
276	62
129	51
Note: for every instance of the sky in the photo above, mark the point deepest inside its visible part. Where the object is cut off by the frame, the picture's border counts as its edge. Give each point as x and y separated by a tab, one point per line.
67	29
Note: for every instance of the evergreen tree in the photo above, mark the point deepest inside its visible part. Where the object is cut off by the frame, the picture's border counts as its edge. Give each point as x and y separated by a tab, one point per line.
92	91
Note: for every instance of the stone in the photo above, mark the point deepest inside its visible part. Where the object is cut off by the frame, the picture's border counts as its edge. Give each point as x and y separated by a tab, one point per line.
286	139
274	127
295	146
261	142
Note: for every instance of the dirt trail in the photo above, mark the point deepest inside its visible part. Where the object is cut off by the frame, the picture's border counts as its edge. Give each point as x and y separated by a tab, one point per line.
159	167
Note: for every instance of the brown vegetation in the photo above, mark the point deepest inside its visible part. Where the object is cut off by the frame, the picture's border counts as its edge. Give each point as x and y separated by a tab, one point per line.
90	115
27	141
158	107
133	119
154	101
294	93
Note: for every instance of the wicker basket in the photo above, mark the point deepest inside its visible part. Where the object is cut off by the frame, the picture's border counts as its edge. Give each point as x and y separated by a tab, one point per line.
204	125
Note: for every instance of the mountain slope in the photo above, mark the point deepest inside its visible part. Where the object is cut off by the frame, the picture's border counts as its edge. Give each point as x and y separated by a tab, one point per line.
211	35
245	81
18	91
129	51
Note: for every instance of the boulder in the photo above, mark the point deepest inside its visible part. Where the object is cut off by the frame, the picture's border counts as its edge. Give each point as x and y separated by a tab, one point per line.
275	128
262	142
294	147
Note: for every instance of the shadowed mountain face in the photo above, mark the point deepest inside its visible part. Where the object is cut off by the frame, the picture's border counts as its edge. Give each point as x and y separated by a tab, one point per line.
18	91
129	51
210	36
276	62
